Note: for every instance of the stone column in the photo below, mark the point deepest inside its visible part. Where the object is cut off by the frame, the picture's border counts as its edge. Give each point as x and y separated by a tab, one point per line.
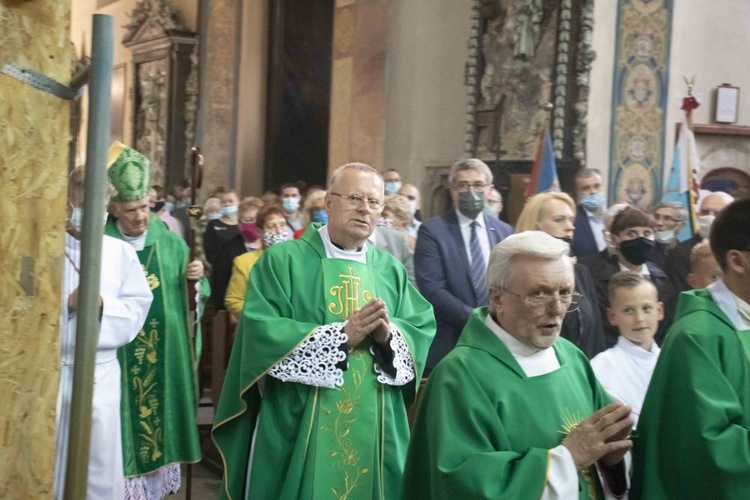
357	122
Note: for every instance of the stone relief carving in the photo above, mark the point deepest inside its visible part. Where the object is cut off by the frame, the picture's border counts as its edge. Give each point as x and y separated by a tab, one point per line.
586	56
520	57
154	15
151	115
192	89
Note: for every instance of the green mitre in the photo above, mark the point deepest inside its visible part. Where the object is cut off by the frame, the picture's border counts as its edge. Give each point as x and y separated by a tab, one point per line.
129	171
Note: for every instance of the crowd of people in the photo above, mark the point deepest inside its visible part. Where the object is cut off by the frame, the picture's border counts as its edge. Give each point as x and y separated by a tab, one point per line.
558	358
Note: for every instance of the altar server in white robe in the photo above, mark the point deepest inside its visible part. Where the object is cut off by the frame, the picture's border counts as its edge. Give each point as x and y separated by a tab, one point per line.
124	300
625	370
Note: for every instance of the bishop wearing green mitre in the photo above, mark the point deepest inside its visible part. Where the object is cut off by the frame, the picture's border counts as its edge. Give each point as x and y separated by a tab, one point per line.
159	428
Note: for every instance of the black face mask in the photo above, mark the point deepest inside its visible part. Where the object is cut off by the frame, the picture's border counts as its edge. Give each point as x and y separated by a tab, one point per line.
638	250
470	203
158	205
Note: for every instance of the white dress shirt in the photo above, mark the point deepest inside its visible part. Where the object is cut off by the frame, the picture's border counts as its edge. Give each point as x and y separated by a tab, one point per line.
484	239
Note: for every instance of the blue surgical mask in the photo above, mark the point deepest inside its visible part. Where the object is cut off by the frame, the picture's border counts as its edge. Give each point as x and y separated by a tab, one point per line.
320	215
665	237
230	211
490	210
76	218
391	187
592	202
290	204
213	216
169	206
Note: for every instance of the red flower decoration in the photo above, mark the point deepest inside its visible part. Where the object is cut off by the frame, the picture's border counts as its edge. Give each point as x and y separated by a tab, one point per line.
689	103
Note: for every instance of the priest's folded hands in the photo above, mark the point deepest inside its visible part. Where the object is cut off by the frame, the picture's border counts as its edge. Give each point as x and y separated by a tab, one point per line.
603	436
372	319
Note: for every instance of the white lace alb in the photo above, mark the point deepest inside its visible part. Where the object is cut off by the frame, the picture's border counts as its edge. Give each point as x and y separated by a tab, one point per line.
314	361
402	361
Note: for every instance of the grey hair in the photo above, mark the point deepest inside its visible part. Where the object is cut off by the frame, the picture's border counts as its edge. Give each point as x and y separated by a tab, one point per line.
362	167
674	205
77	178
528	244
585	173
470	164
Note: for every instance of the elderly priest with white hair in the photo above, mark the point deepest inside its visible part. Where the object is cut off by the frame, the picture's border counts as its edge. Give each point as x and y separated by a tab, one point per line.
534	422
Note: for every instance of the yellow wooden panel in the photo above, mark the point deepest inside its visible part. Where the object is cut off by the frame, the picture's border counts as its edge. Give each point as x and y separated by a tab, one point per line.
33	163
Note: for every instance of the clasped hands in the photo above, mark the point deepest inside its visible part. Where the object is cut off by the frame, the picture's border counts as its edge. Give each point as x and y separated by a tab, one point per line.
372	319
603	436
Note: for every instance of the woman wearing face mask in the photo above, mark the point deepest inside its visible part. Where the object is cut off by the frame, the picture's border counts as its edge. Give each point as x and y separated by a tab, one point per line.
273	229
222	243
313	210
633	237
554	214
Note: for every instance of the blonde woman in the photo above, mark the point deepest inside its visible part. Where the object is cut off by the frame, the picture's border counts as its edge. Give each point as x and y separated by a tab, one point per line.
554	213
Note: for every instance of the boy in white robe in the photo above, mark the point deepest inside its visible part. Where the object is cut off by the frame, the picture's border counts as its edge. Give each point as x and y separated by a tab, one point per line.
625	370
124	300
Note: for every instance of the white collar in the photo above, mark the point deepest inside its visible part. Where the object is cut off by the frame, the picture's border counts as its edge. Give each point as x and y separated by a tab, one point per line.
464	221
137	242
729	303
334	252
515	346
637	351
642	271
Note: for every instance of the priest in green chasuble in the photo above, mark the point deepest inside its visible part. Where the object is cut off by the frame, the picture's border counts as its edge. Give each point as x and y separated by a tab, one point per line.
693	438
514	411
159	405
329	351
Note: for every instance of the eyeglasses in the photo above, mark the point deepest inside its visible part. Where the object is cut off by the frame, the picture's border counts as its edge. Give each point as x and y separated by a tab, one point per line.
542	300
465	186
667	218
356	200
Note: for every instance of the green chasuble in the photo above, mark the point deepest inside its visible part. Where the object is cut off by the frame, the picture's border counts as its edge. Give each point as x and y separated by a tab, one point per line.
693	437
484	429
159	384
315	442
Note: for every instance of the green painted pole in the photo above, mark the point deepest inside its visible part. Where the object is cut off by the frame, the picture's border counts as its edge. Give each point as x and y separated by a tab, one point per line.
87	330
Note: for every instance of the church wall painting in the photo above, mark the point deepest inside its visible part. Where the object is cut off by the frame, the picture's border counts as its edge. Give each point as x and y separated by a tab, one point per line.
639	101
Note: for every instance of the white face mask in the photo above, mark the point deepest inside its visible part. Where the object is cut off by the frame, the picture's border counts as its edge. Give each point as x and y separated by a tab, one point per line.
76	218
665	237
413	207
704	224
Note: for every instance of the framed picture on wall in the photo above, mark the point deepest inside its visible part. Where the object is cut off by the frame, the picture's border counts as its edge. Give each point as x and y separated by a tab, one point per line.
118	102
727	103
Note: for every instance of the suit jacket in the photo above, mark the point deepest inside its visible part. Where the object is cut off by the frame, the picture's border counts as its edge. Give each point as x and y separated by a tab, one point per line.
678	262
443	276
394	242
584	243
583	326
603	267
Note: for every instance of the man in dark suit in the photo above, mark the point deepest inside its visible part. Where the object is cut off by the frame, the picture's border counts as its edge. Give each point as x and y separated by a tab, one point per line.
589	223
450	259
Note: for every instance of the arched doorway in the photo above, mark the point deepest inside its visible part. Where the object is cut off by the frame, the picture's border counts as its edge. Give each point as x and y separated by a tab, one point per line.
728	179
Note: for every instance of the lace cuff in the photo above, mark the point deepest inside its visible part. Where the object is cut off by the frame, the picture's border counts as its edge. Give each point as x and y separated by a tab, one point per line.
402	362
314	361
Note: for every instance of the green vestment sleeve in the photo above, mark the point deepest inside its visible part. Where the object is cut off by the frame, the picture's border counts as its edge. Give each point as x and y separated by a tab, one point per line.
484	429
693	437
284	306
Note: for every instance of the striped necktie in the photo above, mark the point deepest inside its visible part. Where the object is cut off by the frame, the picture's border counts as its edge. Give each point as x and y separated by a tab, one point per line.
478	268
